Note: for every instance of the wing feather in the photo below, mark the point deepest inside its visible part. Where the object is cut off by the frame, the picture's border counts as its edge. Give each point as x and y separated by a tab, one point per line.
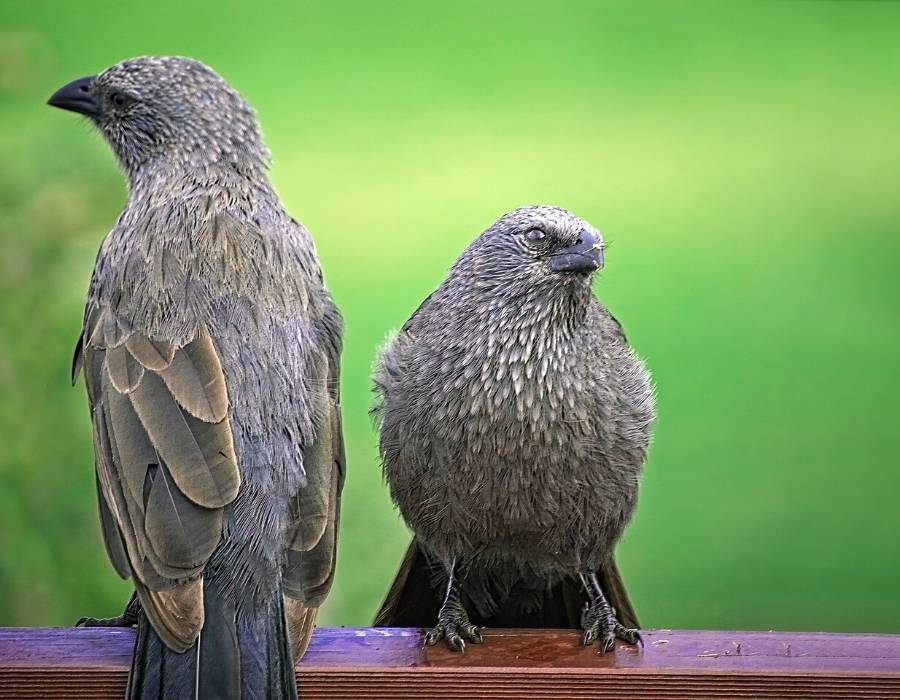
195	379
181	533
124	371
200	455
165	463
152	354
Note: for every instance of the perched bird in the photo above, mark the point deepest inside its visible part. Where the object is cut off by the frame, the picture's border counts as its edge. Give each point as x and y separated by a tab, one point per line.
210	349
514	422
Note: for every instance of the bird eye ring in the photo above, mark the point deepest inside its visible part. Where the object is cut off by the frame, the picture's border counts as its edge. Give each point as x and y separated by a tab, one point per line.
535	236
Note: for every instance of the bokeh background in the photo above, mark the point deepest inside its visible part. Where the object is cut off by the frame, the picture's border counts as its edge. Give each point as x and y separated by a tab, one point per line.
743	159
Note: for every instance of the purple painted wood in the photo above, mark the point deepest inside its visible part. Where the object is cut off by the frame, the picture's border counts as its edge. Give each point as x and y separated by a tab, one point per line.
391	663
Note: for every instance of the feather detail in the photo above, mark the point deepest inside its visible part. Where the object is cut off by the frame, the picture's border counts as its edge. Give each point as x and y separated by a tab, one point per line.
152	354
176	614
196	380
148	566
301	621
115	548
77	359
124	372
181	533
199	455
134	453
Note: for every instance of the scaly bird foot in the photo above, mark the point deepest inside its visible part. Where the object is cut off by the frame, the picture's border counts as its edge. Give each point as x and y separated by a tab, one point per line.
454	627
128	618
597	623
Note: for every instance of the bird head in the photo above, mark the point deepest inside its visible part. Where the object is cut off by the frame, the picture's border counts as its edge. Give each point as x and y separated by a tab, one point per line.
170	107
541	244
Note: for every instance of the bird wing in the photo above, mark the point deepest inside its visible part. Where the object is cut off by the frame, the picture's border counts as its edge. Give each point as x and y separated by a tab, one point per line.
165	459
309	565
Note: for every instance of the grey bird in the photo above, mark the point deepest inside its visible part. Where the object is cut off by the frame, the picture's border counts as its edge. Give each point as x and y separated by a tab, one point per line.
514	423
210	349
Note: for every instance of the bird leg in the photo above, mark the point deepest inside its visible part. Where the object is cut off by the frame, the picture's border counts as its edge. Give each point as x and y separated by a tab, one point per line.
599	619
128	618
453	620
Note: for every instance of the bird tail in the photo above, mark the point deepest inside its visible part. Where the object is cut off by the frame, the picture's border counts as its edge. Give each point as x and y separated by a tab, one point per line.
414	599
240	653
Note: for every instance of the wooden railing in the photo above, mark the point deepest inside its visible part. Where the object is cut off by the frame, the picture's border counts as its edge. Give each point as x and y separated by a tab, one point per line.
392	663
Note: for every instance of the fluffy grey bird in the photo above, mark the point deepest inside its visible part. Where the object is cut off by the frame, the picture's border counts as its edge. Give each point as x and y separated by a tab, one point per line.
514	422
210	350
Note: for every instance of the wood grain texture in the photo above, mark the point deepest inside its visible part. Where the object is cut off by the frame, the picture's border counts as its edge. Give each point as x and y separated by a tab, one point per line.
391	663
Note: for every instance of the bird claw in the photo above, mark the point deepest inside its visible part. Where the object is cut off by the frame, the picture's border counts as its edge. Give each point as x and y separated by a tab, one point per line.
598	626
455	629
128	618
123	620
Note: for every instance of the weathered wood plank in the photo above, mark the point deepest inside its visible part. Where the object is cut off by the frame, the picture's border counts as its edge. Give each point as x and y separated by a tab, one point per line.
380	663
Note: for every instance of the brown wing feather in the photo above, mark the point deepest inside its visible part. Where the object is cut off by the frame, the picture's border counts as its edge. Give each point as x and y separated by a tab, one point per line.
153	354
181	533
200	455
195	379
165	464
124	371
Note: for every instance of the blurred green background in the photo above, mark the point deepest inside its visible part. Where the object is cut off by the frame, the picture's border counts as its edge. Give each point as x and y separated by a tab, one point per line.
743	159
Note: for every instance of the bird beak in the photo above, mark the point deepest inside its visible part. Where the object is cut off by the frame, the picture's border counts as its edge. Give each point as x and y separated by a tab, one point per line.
77	96
584	256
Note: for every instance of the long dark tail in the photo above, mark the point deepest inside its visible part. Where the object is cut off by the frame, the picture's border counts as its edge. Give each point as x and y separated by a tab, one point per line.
241	653
415	598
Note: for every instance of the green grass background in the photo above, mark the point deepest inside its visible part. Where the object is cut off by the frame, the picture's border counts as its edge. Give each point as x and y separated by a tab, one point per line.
743	159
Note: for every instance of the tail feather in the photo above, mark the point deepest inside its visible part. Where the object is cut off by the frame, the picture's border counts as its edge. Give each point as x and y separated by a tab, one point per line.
413	599
416	593
239	653
614	588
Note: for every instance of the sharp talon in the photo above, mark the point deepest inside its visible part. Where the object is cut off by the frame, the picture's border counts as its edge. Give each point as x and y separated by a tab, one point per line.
454	627
470	632
455	642
598	622
609	643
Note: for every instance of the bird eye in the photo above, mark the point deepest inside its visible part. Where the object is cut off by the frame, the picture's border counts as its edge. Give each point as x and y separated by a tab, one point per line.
119	99
535	235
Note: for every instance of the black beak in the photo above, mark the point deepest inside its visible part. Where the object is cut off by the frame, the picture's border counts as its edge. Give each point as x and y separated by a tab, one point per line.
584	256
77	96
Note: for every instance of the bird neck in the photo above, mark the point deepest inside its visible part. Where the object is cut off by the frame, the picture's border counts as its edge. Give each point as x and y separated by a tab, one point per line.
162	180
172	169
513	311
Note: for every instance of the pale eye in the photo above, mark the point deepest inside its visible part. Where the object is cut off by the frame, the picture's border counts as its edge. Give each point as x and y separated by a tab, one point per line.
535	235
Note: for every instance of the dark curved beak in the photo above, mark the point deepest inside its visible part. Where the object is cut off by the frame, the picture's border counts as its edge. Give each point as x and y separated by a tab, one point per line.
77	96
584	256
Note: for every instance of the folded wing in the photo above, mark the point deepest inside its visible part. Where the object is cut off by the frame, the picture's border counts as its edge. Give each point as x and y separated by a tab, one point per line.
166	465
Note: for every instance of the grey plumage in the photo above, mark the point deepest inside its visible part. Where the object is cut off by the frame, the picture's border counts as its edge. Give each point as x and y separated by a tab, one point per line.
514	422
211	354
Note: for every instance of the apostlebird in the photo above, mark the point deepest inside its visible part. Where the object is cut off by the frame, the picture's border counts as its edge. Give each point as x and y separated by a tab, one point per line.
210	349
514	423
